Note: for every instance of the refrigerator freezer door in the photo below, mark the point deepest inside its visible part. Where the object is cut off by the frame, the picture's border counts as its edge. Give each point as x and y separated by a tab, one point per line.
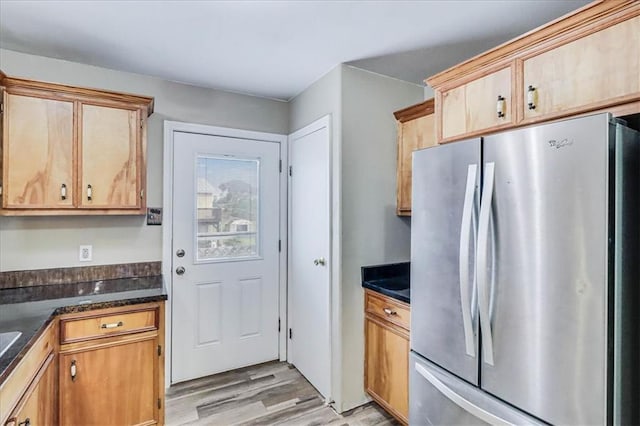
548	284
439	398
444	211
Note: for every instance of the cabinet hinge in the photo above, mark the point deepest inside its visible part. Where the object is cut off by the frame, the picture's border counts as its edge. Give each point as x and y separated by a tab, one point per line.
280	166
290	334
290	170
278	325
159	404
279	246
1	107
159	350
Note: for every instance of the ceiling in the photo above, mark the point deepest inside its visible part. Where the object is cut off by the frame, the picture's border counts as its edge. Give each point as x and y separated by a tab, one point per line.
272	49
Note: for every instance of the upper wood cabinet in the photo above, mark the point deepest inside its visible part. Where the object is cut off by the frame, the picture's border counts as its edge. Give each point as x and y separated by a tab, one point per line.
415	129
586	61
70	150
478	105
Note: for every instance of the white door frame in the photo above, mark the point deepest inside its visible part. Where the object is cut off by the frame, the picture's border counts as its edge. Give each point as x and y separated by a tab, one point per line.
170	127
334	258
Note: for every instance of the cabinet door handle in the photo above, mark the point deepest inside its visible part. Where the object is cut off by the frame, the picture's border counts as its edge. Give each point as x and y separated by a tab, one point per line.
27	422
63	191
73	370
389	311
500	107
89	192
531	97
112	325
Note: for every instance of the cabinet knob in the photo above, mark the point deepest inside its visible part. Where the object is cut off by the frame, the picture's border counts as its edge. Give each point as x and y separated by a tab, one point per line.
63	191
73	370
501	107
532	95
89	192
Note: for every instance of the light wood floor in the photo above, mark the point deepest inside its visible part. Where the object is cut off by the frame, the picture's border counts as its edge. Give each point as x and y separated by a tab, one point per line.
274	393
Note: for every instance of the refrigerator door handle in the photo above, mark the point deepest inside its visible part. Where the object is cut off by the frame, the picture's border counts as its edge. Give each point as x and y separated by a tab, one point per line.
481	268
463	266
459	400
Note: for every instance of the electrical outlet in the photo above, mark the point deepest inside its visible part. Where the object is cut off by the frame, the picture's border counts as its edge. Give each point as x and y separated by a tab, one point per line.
85	253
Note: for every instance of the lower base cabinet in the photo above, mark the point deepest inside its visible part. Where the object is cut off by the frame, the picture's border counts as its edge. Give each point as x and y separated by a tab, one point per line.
387	354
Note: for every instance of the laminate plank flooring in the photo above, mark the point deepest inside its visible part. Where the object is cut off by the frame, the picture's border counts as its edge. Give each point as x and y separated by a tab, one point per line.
273	393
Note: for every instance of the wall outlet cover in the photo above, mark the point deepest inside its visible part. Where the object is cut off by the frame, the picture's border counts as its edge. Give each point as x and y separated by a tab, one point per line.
85	254
154	215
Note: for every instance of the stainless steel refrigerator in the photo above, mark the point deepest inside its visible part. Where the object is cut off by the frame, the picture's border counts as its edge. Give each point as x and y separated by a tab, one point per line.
525	277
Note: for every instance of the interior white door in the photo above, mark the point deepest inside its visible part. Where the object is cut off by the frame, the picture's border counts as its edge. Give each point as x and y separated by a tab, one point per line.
309	255
225	254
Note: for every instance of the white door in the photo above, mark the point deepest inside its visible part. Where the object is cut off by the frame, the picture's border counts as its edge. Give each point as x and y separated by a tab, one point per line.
225	254
309	254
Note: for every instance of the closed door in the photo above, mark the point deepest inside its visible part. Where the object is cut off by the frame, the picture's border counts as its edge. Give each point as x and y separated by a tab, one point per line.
445	203
39	147
543	292
110	154
114	385
309	255
225	253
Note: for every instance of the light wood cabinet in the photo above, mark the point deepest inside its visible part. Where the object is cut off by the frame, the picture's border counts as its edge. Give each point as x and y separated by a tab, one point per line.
415	130
589	72
387	353
30	391
114	356
69	150
477	106
585	62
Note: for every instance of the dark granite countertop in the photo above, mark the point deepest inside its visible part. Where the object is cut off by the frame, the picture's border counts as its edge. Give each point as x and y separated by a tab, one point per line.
392	280
30	309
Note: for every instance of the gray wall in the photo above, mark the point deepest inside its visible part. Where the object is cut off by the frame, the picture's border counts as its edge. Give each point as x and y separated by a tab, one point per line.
372	234
47	242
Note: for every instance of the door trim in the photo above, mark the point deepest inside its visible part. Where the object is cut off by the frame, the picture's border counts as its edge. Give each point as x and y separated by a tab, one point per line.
334	314
170	127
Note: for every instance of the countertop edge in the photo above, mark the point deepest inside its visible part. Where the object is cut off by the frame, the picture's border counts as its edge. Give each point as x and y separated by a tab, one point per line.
388	293
68	310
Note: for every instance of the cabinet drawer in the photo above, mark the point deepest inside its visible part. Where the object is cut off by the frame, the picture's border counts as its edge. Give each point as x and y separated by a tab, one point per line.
106	325
393	311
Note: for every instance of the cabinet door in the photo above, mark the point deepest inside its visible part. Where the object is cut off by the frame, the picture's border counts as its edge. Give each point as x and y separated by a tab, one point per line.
472	107
387	367
38	153
110	157
413	135
113	386
600	69
38	404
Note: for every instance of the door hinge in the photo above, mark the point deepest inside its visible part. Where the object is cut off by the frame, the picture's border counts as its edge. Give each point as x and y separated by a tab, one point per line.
1	107
290	334
290	170
278	325
280	166
159	404
159	350
279	246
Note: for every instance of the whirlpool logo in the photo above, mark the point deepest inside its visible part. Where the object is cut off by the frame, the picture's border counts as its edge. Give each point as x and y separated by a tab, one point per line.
557	144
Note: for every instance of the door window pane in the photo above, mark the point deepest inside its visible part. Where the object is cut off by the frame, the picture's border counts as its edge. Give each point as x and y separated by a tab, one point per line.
227	205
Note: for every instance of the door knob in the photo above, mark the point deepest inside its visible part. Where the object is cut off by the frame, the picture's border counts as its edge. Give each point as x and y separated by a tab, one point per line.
180	270
320	261
180	253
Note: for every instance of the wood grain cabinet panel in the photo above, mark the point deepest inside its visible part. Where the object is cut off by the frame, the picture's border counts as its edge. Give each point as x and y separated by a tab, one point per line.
416	130
472	107
114	385
39	138
593	71
38	406
387	354
71	151
110	148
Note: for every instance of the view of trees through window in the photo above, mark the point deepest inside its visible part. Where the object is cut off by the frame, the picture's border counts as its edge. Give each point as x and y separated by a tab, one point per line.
227	203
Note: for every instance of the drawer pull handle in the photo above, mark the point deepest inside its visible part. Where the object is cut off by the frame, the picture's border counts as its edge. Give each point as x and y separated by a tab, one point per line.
532	97
63	192
112	325
501	106
388	311
89	192
27	422
73	370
